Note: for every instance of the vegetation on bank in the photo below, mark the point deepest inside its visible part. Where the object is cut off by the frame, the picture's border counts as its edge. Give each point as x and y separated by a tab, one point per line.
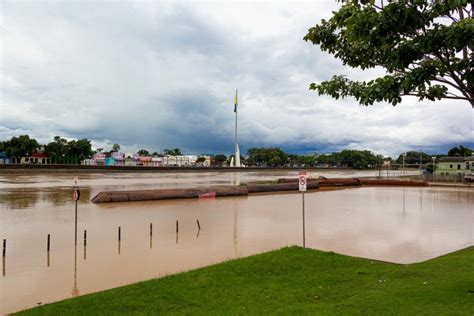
294	281
73	151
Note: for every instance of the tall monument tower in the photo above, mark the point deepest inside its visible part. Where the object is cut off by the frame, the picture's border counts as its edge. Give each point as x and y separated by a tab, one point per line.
237	149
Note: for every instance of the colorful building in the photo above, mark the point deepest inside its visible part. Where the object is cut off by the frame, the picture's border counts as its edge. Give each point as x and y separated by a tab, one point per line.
37	159
454	166
4	159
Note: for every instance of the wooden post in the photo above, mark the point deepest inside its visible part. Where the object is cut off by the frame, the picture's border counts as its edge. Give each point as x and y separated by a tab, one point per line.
119	234
48	247
85	237
151	229
177	227
4	264
199	225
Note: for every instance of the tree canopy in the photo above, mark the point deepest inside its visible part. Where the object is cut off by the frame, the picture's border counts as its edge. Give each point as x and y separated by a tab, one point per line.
272	156
144	152
60	147
172	152
460	151
19	146
426	48
220	158
413	157
358	159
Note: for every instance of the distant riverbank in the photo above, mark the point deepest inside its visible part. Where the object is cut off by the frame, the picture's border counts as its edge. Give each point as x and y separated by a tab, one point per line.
113	169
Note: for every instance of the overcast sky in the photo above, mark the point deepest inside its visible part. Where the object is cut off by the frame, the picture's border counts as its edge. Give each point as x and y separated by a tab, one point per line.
163	74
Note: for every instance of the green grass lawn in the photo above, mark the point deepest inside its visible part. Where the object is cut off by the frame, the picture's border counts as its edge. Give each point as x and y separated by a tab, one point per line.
294	281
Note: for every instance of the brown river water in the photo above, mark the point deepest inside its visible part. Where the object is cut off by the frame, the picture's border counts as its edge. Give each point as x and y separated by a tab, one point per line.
396	224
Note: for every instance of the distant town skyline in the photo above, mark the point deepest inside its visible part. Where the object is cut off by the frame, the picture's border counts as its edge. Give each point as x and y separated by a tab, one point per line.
163	75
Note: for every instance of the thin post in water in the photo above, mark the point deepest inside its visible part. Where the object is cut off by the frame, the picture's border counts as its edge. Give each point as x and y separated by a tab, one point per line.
85	237
199	225
4	263
151	229
119	234
177	231
48	247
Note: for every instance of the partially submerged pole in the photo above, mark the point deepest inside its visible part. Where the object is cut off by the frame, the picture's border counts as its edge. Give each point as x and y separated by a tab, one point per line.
4	263
48	248
151	235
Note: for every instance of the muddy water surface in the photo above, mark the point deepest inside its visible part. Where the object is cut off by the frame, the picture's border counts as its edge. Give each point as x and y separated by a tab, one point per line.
400	225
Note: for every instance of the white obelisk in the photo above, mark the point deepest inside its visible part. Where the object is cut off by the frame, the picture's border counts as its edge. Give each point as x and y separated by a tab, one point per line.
237	150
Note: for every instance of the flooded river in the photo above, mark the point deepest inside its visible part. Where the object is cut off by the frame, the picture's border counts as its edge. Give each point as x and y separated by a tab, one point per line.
394	224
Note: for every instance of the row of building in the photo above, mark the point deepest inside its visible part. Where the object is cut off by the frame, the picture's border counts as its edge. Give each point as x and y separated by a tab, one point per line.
122	159
116	159
35	158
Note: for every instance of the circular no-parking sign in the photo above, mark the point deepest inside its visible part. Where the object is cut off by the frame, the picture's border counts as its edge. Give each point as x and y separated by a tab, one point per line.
76	194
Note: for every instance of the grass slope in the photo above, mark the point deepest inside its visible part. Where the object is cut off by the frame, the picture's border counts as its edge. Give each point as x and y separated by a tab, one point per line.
294	281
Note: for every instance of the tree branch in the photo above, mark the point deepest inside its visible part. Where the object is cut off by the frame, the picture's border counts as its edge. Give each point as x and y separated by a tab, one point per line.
444	97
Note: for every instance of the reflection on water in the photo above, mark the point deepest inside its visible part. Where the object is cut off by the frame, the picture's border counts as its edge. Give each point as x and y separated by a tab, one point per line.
161	237
29	198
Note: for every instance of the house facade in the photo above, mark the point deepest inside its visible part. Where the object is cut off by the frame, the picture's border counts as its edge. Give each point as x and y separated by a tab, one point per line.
4	159
454	166
37	159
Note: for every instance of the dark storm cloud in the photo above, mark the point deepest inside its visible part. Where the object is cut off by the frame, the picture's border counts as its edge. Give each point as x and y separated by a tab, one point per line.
159	75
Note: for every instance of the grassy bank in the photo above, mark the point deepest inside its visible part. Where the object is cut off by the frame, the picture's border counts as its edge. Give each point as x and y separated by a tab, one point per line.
295	281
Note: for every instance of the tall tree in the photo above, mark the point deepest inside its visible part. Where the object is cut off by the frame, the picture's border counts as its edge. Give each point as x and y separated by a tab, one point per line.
57	148
82	148
426	48
20	146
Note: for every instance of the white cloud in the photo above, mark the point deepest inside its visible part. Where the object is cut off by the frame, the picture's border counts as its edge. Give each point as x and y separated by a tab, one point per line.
155	75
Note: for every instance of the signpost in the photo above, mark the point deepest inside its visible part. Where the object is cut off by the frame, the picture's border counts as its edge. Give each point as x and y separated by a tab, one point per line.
76	195
302	182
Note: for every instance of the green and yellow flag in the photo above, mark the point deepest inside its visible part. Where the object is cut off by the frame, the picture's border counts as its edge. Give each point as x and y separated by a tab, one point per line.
235	102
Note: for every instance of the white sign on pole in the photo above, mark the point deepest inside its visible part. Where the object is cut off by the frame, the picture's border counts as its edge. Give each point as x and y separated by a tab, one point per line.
302	181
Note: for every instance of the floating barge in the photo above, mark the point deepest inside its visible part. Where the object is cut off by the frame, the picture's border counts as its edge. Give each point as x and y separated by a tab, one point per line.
282	185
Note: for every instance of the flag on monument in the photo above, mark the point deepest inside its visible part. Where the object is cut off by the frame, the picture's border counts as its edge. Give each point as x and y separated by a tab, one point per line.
235	102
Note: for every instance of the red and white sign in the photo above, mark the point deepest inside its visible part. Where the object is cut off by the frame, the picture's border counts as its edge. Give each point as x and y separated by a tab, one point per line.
302	181
207	195
76	194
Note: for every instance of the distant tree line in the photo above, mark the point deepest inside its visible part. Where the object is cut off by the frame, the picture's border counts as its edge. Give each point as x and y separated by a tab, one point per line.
60	150
63	151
